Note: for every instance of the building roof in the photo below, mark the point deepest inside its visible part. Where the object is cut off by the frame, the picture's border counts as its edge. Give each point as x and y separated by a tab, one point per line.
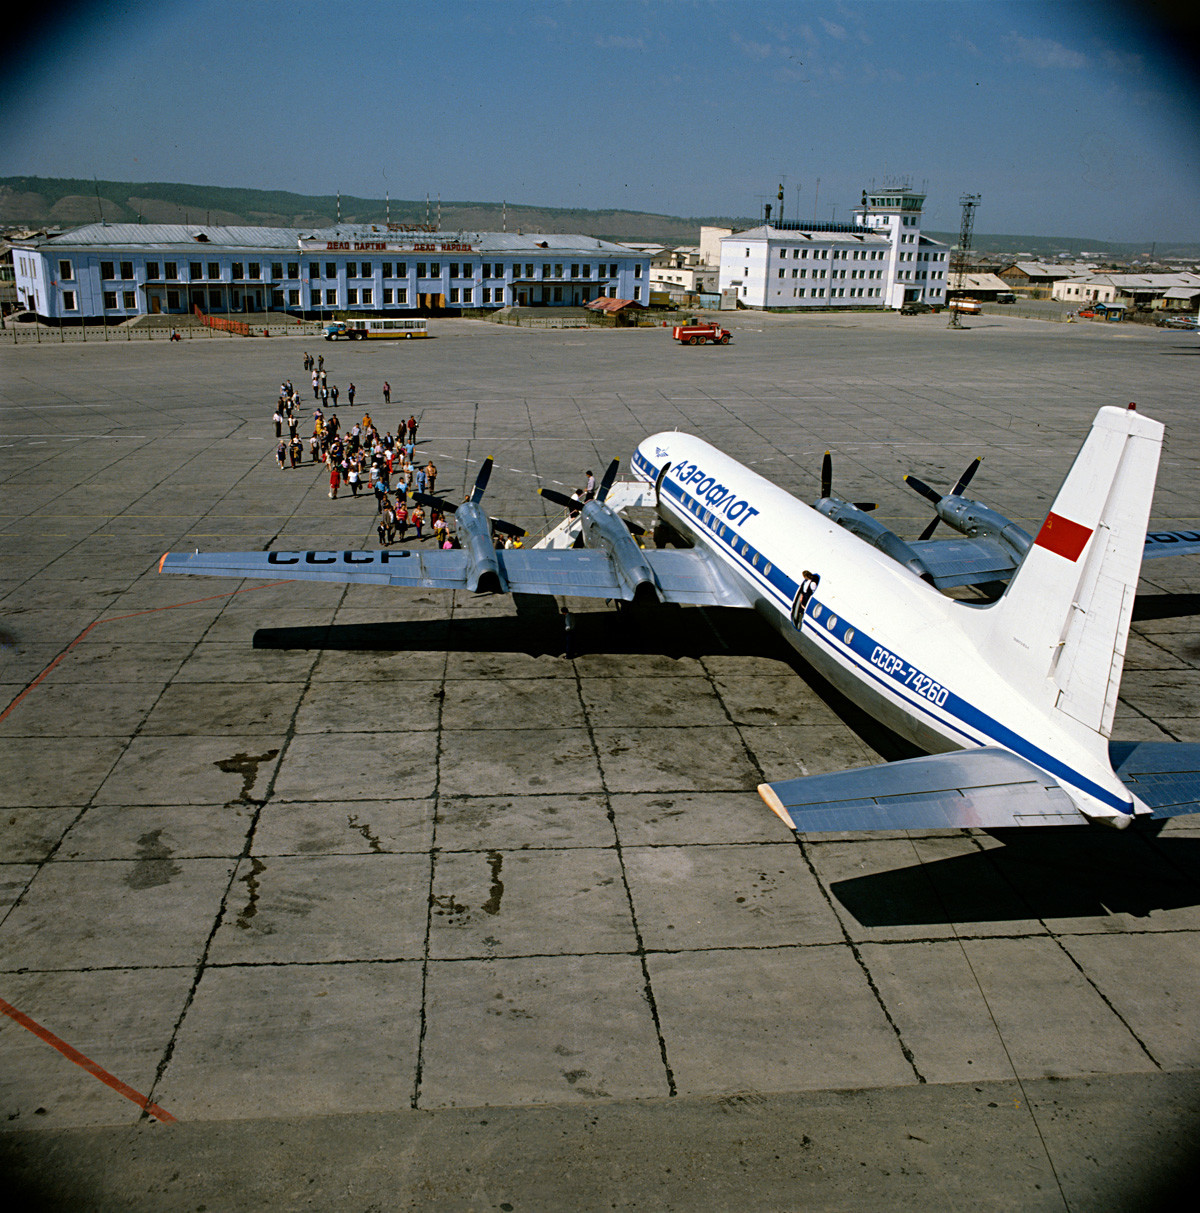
1038	269
827	233
169	237
978	282
178	237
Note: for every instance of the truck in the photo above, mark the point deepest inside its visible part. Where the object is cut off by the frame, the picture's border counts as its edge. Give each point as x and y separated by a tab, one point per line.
693	332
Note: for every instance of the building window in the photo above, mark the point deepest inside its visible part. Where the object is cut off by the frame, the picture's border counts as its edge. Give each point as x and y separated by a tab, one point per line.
195	271
106	270
351	269
365	270
352	297
467	294
367	296
314	269
293	270
387	295
331	298
454	294
68	301
421	268
235	271
637	293
129	300
387	269
173	300
330	269
65	272
255	269
127	270
575	270
151	271
110	300
276	270
402	295
293	298
435	269
171	271
402	269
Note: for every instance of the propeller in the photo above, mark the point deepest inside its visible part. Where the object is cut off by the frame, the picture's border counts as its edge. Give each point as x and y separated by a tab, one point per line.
571	503
474	497
827	485
936	498
606	483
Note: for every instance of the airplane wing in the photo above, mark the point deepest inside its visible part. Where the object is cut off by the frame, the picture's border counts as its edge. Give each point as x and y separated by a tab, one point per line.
984	788
1171	543
958	562
955	562
1164	774
685	576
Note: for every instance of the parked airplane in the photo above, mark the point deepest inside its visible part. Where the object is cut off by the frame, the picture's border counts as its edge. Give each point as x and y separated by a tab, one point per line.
1012	700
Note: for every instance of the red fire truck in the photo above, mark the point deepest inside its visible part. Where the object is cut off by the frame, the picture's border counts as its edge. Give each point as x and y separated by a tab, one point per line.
695	333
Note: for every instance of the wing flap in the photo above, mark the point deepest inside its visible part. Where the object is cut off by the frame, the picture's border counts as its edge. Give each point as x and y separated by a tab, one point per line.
985	788
956	562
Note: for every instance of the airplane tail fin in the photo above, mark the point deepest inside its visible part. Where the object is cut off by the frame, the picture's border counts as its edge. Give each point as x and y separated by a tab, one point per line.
1059	631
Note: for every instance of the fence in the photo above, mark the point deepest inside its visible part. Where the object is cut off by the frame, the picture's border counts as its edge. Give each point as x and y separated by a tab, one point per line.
237	328
35	333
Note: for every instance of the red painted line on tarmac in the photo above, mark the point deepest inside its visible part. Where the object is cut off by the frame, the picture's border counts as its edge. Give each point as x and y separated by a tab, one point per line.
132	615
73	1054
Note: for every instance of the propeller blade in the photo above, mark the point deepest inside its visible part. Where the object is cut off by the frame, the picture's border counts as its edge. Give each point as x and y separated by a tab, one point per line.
965	478
927	533
921	487
438	503
508	528
606	482
827	475
567	503
481	480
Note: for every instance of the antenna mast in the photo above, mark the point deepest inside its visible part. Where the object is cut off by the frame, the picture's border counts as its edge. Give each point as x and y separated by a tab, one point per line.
962	254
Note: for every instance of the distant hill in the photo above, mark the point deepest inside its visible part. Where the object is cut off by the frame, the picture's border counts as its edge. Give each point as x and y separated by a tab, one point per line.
49	201
66	202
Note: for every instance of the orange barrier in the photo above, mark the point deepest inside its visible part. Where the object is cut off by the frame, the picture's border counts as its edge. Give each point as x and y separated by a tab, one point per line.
225	326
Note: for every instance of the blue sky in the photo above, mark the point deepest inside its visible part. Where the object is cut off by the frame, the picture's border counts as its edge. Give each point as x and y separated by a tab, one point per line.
1066	118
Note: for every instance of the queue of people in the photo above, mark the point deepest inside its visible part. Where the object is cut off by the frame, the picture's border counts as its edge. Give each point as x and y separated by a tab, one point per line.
364	455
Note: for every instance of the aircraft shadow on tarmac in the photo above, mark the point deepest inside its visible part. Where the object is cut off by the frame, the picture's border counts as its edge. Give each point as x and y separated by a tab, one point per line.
537	630
1045	873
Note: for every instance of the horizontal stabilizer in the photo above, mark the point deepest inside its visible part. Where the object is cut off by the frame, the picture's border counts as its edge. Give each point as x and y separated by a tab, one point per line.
1163	774
985	788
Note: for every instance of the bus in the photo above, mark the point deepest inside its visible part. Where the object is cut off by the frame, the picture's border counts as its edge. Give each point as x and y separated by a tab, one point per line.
370	327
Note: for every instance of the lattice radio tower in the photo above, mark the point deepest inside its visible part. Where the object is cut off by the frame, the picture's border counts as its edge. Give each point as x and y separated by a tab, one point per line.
962	254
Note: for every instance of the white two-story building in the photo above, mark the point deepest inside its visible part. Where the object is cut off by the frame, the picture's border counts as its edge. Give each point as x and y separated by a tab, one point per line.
879	260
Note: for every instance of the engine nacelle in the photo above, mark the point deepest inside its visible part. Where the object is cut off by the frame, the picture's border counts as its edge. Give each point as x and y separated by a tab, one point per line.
973	519
860	523
475	535
603	529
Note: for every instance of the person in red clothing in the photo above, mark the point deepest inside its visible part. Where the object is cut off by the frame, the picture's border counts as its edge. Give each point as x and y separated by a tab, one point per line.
335	478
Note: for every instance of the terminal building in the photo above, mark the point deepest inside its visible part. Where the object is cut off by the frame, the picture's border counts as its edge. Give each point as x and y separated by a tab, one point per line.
116	272
879	260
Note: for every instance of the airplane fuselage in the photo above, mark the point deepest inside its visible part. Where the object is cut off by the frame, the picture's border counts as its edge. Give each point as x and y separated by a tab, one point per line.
890	642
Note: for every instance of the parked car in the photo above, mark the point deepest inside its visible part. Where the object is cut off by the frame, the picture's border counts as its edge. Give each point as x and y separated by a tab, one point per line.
1177	322
914	308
